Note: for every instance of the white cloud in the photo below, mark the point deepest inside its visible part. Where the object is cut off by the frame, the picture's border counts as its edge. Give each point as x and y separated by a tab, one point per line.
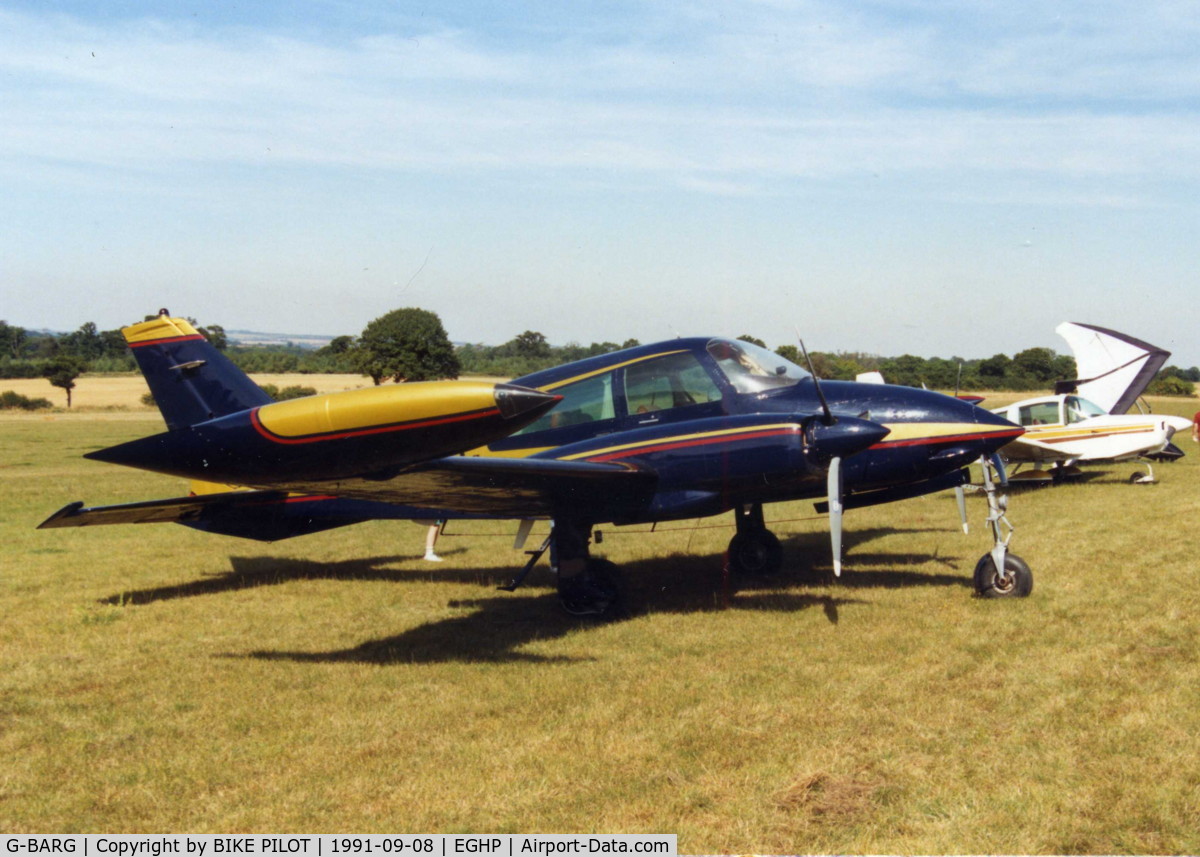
778	94
799	134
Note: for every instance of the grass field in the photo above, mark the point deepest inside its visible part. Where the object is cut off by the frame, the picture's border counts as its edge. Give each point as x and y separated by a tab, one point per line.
157	679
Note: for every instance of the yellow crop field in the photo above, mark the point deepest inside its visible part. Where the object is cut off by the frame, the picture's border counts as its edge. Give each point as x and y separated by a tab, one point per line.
154	678
115	392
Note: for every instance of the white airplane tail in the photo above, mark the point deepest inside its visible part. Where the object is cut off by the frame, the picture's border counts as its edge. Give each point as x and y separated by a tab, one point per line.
1113	369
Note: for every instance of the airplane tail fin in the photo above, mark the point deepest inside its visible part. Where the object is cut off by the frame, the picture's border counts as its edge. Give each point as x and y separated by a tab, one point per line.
191	380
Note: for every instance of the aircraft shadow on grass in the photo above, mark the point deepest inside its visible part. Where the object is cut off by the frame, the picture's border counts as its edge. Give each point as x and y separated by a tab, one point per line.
497	627
871	570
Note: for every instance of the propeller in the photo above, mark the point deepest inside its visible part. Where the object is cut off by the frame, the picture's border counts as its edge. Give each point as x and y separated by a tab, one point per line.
960	494
834	491
1001	471
836	439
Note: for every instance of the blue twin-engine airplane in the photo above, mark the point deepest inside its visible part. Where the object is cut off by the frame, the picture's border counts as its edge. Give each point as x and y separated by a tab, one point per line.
680	429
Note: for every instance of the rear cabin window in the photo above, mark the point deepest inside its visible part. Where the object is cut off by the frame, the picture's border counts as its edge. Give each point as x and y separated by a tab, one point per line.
583	402
1041	414
671	381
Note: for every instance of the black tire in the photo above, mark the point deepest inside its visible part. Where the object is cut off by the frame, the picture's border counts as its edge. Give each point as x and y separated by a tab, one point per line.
755	553
597	593
1017	583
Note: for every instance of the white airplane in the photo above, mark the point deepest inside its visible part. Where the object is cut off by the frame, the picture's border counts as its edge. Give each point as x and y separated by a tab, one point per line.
1066	429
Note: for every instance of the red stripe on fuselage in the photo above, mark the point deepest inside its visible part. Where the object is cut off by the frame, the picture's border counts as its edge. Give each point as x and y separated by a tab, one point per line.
701	441
362	432
190	336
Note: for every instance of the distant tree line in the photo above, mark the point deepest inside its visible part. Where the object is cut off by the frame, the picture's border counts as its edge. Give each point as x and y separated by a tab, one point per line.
410	344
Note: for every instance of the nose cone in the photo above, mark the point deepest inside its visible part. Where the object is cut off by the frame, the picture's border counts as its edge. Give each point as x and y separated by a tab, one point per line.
528	404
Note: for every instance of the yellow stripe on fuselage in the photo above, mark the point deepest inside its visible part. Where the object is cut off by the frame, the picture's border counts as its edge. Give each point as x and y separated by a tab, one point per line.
375	406
488	452
681	438
609	368
1060	433
900	433
910	432
198	487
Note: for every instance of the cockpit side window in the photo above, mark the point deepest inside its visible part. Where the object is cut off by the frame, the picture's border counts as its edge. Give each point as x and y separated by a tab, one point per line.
670	381
584	401
1039	414
751	369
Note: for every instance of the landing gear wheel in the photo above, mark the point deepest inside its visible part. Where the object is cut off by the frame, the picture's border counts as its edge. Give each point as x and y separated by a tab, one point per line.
1016	582
596	592
755	553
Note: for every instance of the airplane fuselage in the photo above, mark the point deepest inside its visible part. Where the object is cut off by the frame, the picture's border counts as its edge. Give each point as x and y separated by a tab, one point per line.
1069	428
723	423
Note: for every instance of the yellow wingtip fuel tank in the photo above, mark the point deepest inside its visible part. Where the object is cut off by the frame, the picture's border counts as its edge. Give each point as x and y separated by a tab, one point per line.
376	409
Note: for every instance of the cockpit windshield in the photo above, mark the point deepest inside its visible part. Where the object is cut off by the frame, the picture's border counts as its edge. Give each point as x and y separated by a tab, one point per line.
1079	409
752	369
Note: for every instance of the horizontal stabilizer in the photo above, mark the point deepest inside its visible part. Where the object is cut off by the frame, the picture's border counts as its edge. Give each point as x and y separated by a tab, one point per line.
265	516
177	510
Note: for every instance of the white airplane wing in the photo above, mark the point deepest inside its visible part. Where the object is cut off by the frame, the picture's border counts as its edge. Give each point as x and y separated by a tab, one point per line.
1113	368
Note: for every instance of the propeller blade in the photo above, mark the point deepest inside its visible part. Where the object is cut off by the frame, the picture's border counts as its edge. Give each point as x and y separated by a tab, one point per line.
834	491
828	418
1001	472
960	495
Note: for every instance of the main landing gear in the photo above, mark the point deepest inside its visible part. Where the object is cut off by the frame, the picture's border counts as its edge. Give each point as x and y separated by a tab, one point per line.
587	585
754	550
1000	574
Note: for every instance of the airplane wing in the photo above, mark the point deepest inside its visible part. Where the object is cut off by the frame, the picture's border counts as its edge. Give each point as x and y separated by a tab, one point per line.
1113	369
497	487
450	487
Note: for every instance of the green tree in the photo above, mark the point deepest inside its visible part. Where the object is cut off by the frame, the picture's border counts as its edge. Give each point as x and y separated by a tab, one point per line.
529	344
993	369
753	340
62	371
85	343
215	334
1036	363
407	344
12	339
792	354
1171	385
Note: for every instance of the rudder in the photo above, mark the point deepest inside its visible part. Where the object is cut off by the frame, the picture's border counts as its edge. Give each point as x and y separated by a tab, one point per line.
191	381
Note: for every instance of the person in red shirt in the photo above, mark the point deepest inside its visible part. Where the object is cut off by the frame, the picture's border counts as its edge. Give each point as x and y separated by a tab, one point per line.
1196	427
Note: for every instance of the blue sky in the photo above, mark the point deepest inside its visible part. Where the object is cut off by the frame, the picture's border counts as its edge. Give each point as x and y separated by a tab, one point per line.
937	177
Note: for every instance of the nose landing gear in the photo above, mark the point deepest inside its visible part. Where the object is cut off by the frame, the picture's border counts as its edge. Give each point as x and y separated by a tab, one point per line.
1000	574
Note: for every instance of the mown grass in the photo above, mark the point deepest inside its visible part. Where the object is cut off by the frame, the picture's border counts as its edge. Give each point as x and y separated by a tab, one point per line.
157	679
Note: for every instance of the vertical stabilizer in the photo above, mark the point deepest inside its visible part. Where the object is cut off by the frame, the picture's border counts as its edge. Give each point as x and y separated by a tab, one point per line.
190	379
1113	368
